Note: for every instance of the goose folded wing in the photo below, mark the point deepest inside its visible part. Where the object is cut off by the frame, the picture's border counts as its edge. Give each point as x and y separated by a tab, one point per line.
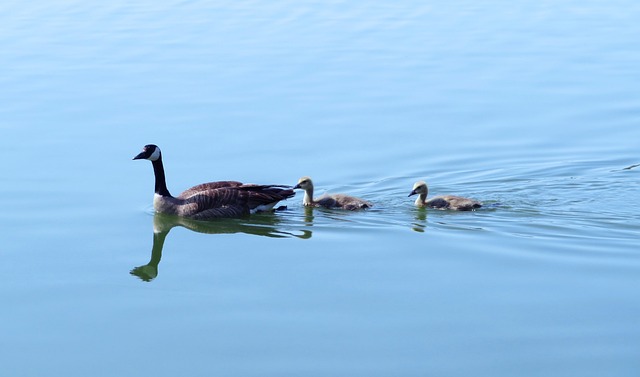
258	195
208	186
217	203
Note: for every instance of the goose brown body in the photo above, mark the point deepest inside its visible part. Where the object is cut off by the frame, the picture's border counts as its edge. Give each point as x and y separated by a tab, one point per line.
456	203
339	201
214	199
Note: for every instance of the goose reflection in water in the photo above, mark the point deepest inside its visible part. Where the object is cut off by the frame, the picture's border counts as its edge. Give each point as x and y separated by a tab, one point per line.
265	225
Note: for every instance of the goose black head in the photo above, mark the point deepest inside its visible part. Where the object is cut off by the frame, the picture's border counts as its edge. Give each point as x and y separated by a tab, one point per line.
150	152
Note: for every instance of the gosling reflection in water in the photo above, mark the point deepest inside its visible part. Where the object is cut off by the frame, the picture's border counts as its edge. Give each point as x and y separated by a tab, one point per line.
421	220
259	225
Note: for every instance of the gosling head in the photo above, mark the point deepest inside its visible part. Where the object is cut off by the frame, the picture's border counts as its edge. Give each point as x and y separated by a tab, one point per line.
150	152
304	183
419	187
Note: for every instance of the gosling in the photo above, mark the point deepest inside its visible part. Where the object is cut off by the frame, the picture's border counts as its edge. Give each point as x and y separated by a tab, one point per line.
333	201
452	202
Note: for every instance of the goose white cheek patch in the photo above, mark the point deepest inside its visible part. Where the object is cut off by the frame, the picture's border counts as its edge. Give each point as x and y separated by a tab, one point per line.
155	155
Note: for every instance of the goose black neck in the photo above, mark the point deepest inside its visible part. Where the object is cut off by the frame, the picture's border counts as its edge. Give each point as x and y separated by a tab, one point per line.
161	183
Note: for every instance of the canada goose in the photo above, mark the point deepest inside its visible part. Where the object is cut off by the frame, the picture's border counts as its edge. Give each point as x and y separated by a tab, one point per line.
456	203
214	199
329	201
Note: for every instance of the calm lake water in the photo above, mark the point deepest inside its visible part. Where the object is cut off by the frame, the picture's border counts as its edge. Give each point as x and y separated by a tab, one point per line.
531	107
